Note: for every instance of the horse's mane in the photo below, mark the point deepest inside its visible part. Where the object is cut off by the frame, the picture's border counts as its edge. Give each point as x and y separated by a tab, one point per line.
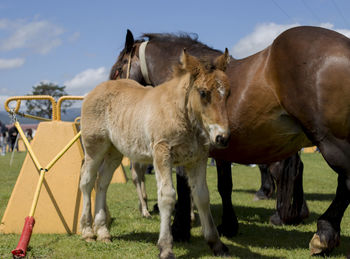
183	40
190	42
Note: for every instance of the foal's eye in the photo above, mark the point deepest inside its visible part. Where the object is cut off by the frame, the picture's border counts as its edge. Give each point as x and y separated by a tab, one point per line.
203	94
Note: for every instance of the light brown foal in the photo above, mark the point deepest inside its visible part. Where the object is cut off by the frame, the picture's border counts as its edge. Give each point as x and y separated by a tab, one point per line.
170	125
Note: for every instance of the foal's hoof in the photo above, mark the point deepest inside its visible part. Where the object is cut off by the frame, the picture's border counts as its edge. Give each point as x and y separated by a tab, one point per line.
146	215
166	254
89	240
105	240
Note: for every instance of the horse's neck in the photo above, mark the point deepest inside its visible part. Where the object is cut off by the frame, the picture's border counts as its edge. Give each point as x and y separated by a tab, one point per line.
172	54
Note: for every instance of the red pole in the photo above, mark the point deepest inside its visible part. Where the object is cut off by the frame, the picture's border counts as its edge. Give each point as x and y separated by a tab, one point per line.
21	248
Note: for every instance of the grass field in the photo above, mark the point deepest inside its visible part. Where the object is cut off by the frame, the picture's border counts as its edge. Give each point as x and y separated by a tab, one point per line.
136	237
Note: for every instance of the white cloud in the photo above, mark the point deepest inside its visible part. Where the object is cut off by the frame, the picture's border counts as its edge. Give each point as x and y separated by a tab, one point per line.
40	36
86	80
11	63
264	34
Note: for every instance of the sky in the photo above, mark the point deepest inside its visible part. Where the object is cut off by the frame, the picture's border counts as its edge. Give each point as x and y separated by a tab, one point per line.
75	43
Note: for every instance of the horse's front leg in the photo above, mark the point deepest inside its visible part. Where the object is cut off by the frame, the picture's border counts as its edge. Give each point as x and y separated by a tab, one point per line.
200	194
166	197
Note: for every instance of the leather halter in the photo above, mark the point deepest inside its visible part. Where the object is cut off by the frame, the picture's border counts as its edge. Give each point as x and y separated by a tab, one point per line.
143	64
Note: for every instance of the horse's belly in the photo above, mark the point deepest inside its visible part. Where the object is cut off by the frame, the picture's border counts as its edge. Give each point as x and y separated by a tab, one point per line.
275	139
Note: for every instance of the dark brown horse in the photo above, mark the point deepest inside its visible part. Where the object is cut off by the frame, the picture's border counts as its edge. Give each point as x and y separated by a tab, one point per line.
293	94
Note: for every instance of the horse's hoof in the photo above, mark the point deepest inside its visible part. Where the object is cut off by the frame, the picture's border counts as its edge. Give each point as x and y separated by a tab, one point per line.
325	239
316	246
220	249
260	195
227	230
276	220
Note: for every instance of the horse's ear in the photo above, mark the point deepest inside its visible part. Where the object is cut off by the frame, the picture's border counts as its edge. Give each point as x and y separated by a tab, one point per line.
190	63
222	61
129	41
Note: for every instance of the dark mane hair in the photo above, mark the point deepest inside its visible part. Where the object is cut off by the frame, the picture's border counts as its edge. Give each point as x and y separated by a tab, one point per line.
186	40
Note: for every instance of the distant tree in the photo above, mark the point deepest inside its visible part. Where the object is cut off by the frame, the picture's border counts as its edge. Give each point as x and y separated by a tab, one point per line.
43	108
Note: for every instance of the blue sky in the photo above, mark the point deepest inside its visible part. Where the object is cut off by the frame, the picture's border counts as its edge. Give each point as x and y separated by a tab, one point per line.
75	43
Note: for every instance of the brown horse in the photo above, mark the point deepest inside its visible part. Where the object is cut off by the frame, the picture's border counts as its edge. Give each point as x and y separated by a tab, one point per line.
121	117
293	94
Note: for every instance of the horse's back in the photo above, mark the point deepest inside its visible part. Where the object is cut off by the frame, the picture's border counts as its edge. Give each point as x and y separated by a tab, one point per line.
311	68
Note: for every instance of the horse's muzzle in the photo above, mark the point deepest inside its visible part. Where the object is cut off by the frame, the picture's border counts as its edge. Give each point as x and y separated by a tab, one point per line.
222	140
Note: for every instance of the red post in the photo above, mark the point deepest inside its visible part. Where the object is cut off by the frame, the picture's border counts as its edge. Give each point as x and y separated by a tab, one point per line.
21	248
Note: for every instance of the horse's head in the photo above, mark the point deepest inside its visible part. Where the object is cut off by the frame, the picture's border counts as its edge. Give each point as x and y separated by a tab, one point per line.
208	92
128	63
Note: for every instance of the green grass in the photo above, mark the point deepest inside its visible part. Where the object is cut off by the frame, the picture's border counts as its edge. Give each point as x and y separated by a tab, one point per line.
136	237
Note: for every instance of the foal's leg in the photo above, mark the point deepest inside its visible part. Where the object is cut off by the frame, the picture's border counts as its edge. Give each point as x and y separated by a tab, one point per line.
111	161
200	194
337	154
229	222
138	178
88	176
166	197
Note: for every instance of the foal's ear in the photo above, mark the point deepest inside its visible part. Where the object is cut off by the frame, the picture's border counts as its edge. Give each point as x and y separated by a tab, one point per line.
129	41
222	61
190	63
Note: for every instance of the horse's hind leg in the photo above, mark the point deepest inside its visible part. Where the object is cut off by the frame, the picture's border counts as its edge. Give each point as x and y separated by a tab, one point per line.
112	160
337	154
138	178
200	194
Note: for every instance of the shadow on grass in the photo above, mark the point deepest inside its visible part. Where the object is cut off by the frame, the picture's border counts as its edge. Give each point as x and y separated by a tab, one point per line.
250	235
253	214
308	196
196	248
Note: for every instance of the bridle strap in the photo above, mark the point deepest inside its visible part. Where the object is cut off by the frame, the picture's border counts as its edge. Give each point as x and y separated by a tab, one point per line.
129	67
143	64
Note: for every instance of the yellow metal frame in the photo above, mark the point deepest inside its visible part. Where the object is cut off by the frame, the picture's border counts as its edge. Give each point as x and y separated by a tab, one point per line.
56	116
56	107
41	169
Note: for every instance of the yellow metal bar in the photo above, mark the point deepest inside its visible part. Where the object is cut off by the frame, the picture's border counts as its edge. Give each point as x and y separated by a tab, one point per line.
31	97
29	148
65	98
33	117
64	150
37	192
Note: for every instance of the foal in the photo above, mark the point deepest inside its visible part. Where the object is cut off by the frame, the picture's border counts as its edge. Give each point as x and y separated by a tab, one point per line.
170	125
